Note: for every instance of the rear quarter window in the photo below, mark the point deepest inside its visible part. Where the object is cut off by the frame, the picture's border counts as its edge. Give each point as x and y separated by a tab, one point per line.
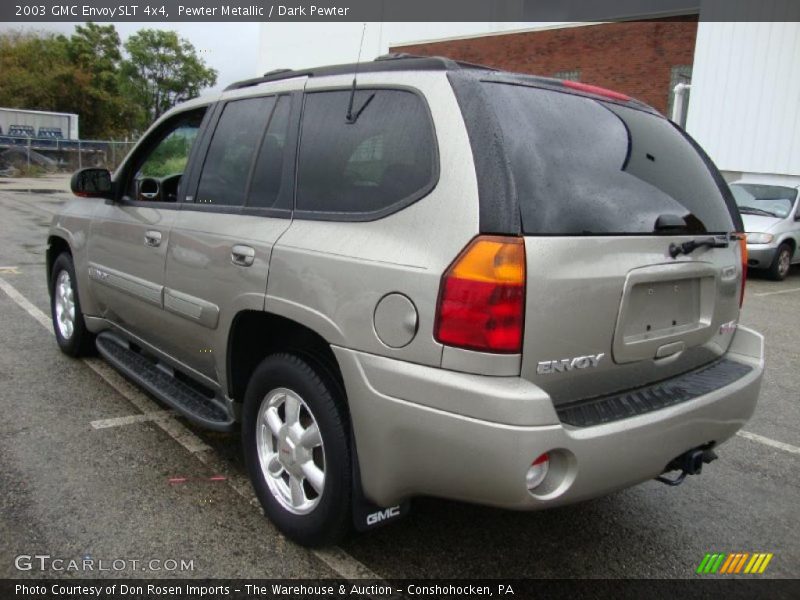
380	163
585	167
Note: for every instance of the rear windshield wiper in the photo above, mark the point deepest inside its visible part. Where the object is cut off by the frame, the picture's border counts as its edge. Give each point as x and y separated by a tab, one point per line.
692	245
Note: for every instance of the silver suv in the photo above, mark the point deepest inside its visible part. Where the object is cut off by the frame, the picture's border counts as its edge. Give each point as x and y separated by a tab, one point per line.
432	279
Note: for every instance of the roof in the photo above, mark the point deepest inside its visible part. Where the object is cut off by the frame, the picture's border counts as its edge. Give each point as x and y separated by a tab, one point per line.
387	62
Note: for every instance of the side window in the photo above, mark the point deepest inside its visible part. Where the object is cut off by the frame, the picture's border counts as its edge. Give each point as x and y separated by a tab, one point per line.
157	170
267	183
230	156
385	159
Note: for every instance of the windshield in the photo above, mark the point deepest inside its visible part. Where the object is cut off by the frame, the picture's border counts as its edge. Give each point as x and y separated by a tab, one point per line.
585	167
766	200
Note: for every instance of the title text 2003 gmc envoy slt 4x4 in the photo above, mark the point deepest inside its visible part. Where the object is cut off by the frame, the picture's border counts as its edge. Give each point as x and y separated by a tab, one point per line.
433	279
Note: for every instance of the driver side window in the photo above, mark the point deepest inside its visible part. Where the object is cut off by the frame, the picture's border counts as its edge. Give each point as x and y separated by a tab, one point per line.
157	172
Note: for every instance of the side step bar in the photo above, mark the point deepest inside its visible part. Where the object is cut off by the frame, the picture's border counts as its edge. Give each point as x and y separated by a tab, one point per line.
206	412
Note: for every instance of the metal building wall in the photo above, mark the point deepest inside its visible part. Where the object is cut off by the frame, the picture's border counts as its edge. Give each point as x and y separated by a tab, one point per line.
745	103
36	119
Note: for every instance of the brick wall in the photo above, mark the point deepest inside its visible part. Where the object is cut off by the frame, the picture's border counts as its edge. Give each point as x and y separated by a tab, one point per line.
632	57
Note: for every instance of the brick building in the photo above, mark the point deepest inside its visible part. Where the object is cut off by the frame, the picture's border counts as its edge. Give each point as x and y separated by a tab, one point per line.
644	59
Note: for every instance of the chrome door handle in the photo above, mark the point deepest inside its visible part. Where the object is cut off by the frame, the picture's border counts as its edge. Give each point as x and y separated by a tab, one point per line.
152	238
242	255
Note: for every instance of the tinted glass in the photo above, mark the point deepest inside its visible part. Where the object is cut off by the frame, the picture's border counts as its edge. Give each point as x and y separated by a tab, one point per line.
766	200
230	155
581	166
166	153
385	158
265	189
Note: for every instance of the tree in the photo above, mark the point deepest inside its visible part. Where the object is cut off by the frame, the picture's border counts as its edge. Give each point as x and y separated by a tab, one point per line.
94	51
162	70
35	71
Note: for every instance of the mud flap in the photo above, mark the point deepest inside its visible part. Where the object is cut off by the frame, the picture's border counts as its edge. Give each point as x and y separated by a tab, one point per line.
368	515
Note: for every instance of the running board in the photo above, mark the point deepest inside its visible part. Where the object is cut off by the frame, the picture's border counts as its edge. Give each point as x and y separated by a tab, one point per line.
202	410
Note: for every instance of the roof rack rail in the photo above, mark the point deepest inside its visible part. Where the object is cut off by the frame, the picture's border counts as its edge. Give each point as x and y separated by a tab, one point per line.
388	62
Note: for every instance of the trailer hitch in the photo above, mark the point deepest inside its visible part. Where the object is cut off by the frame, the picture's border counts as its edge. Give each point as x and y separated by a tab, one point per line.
688	463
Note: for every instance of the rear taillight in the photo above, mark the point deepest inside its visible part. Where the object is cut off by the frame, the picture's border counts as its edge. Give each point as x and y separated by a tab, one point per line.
482	296
743	252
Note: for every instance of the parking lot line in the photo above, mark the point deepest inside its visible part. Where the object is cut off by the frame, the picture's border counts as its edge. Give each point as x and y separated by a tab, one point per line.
775	293
769	442
335	558
131	419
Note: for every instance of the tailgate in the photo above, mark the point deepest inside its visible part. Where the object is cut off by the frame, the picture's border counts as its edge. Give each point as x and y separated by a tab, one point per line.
609	314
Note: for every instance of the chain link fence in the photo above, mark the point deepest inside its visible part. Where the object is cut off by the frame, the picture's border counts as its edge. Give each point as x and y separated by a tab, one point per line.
26	156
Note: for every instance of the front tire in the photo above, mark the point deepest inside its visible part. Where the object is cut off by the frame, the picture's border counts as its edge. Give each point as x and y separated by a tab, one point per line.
781	264
73	338
295	438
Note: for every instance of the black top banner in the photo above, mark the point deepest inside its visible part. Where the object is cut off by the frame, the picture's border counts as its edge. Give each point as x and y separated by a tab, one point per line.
394	10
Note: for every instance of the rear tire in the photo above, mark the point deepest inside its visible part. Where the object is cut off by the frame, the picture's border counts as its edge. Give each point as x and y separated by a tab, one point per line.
295	438
781	264
72	336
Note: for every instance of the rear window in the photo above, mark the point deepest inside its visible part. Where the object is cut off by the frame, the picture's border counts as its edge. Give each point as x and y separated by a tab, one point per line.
585	167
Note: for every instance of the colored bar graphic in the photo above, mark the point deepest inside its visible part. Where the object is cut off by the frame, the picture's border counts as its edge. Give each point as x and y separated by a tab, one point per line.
765	563
728	563
703	563
735	563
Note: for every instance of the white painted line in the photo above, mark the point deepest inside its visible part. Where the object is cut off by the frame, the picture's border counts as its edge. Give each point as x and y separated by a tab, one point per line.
9	270
131	419
335	558
769	442
26	304
789	291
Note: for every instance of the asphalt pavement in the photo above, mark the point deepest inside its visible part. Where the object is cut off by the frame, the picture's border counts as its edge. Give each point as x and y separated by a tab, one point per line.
91	467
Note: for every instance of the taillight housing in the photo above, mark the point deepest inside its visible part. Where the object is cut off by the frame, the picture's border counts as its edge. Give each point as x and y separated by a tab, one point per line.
743	251
482	297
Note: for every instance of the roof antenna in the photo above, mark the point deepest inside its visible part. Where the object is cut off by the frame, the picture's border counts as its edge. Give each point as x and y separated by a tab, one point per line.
351	118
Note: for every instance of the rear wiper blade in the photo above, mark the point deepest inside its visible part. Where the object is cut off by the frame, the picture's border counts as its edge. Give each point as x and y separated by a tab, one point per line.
692	245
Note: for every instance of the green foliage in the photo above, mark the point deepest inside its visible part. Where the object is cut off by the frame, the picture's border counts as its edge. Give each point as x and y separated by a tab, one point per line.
87	74
163	70
170	156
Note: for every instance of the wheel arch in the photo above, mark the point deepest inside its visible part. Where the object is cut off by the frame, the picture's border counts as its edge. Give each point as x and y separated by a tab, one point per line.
256	334
56	245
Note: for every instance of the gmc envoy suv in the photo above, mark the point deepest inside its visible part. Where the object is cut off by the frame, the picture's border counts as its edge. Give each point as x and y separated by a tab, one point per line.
429	278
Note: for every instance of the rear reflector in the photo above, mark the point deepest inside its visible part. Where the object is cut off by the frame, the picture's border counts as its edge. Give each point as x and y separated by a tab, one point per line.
596	90
482	297
537	471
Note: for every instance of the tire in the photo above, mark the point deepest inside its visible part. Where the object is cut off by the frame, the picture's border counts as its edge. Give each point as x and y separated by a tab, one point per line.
781	264
65	309
281	453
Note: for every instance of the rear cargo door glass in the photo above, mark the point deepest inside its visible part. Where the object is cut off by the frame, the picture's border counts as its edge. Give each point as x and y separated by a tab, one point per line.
585	167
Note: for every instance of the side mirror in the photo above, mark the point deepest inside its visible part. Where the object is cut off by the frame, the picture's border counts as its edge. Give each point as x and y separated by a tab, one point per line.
92	183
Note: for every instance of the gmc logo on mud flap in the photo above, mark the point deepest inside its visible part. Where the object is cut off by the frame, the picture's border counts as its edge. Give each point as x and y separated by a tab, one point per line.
546	367
382	515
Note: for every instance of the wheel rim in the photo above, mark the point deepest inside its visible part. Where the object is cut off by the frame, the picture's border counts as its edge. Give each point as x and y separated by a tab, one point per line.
290	451
783	263
65	305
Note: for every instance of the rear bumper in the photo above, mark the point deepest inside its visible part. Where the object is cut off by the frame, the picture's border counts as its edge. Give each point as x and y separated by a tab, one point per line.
413	439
